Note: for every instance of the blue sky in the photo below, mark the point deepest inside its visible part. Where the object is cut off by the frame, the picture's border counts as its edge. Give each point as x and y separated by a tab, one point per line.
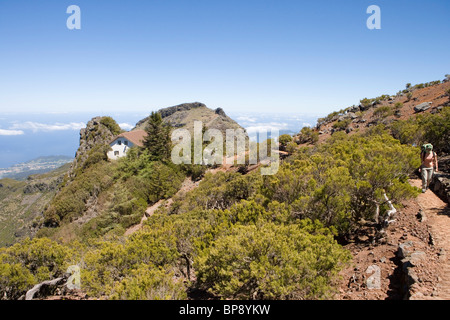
254	56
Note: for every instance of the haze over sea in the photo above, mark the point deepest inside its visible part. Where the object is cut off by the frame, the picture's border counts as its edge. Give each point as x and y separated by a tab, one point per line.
26	136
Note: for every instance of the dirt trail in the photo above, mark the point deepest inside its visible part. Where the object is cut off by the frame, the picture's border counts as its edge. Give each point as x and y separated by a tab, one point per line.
187	186
438	215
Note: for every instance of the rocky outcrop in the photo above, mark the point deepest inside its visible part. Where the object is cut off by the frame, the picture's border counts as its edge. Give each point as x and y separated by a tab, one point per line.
42	186
94	134
166	112
422	107
220	112
441	186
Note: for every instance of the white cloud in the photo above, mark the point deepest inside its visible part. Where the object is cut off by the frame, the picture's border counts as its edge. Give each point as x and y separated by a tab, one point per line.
4	132
306	124
266	127
36	126
126	126
245	118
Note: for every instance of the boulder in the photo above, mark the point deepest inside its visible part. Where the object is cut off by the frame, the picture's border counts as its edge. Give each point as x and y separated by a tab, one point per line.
416	257
404	249
363	107
354	109
422	107
352	115
441	186
436	109
220	112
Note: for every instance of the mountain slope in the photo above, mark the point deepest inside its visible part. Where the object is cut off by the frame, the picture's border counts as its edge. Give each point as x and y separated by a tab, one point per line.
23	202
386	109
184	115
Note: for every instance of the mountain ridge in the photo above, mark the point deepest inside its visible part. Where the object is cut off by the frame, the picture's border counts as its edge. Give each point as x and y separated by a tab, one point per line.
184	115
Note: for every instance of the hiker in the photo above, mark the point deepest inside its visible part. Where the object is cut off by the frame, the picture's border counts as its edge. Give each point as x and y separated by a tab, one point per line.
429	161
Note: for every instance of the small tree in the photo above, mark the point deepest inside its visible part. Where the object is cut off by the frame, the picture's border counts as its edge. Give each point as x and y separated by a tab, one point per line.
308	135
398	105
158	141
409	96
284	139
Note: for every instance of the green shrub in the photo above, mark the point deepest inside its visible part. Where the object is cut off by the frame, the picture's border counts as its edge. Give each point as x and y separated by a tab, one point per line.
342	124
383	112
308	135
398	105
407	131
70	202
433	128
284	139
147	283
111	124
31	261
270	261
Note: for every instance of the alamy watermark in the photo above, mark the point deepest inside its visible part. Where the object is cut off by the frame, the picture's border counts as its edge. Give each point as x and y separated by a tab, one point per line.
239	149
374	21
74	20
374	281
74	280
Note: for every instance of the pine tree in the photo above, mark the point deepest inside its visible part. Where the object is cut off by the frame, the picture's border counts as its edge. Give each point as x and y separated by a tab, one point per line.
158	141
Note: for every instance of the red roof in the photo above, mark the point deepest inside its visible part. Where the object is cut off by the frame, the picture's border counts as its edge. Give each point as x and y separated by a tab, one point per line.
136	137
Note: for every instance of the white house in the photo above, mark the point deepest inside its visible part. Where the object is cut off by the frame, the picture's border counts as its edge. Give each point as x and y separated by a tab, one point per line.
121	143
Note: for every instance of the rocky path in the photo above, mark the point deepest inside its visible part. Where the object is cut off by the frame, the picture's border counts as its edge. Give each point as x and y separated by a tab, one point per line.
438	216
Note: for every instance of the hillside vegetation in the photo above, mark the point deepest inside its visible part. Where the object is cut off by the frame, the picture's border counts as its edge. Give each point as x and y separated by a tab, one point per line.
22	203
238	235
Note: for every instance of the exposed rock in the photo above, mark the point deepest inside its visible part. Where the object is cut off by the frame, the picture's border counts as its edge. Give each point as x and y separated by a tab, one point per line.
422	107
417	257
42	186
435	110
404	249
363	107
220	112
94	134
354	109
441	186
352	115
165	112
